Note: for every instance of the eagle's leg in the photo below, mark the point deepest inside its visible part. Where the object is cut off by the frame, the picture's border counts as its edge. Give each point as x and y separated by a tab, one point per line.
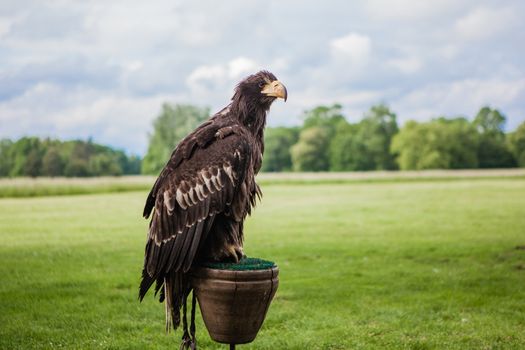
224	242
192	324
187	341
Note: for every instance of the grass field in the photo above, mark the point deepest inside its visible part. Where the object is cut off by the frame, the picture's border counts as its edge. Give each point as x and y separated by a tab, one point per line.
38	187
381	265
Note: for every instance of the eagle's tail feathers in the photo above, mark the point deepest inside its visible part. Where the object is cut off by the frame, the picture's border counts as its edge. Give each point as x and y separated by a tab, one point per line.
175	288
145	284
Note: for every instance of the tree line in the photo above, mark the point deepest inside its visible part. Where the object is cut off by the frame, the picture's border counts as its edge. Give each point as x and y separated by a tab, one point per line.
33	156
327	141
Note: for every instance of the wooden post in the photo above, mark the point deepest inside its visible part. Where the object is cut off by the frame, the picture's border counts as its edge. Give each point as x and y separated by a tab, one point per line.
232	346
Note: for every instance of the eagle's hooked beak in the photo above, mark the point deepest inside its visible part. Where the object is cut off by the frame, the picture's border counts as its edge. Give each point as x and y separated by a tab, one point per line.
275	89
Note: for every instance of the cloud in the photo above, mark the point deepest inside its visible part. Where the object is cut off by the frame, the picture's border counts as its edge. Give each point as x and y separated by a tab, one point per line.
462	97
353	47
205	75
81	68
65	71
411	10
81	113
241	67
5	26
206	78
484	23
406	65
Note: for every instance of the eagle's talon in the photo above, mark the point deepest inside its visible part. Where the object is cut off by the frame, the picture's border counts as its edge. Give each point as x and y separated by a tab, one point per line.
239	252
233	252
187	343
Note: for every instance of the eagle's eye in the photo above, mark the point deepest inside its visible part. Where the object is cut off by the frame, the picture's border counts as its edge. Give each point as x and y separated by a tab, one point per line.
261	84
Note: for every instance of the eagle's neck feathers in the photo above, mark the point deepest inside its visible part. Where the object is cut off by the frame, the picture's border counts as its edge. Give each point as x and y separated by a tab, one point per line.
250	114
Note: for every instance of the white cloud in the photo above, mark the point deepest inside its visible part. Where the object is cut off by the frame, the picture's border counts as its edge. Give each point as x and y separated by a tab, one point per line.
462	97
472	91
70	69
240	67
111	119
409	9
133	65
483	23
212	77
448	51
5	25
406	65
353	46
206	73
354	103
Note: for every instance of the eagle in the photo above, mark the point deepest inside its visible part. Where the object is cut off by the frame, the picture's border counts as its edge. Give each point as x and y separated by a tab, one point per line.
205	191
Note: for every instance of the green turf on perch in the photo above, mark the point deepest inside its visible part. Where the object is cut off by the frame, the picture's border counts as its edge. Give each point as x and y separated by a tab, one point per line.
244	264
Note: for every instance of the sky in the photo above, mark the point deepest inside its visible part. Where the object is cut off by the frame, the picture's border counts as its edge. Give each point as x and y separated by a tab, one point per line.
102	69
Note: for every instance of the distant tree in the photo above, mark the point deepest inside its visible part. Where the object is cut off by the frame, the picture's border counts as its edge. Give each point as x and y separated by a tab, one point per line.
516	142
31	156
169	128
77	167
408	144
6	161
375	134
489	121
52	163
365	145
439	144
492	149
132	164
83	150
104	164
344	149
324	120
494	153
277	145
459	141
33	163
19	156
326	117
77	164
310	152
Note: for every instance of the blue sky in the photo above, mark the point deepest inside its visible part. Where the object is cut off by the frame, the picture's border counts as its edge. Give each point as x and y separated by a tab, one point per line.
101	69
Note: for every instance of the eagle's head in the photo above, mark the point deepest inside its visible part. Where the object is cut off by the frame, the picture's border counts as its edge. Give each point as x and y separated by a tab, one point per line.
261	89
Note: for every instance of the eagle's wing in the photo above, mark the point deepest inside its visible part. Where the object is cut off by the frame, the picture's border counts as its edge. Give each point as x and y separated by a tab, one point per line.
199	181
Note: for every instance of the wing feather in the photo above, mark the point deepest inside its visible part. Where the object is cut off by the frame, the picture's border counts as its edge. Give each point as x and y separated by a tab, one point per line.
199	181
199	233
185	246
187	259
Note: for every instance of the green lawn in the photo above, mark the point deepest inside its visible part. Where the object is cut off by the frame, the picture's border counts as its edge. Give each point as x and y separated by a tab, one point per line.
384	265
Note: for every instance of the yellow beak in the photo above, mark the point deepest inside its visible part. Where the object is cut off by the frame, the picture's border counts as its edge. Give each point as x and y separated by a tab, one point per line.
275	89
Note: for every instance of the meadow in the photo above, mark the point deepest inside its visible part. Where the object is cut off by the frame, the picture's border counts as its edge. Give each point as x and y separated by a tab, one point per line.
428	264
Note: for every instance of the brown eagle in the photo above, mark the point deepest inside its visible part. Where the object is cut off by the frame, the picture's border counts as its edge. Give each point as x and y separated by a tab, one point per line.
205	191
